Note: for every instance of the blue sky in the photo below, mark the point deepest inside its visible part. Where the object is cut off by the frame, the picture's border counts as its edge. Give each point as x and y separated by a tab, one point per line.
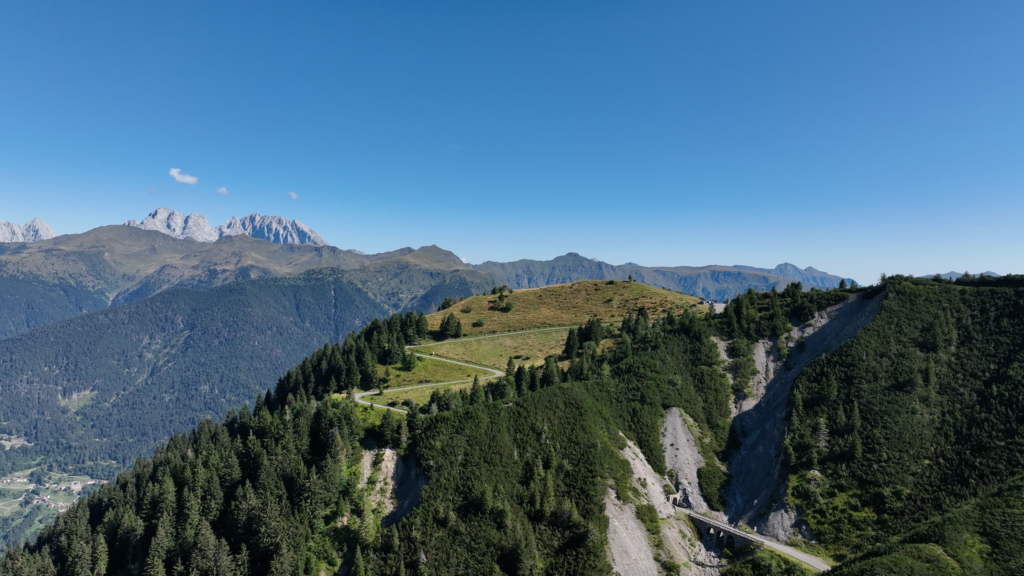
858	137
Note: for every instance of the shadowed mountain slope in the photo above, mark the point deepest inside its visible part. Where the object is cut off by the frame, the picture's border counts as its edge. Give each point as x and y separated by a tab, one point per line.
46	281
149	369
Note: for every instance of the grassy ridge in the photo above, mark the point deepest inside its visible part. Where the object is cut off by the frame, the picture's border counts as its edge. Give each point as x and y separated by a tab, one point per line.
529	348
563	305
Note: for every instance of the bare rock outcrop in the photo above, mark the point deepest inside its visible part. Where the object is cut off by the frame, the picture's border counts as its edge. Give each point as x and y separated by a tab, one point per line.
629	543
32	231
274	229
756	493
682	456
406	483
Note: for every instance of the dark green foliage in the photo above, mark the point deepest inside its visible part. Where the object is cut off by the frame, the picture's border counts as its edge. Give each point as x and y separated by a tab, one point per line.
261	490
592	331
572	344
159	365
517	486
575	342
552	373
763	562
648	516
905	560
448	302
755	315
409	360
517	483
28	303
711	480
741	351
981	537
918	414
451	327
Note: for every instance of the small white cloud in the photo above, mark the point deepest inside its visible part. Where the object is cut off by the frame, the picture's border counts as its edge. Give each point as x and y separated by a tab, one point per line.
183	178
222	191
293	195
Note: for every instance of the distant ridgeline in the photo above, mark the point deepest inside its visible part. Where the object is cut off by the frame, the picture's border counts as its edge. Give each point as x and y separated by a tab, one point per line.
516	471
715	282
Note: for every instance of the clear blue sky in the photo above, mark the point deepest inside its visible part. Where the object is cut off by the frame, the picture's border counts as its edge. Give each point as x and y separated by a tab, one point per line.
855	136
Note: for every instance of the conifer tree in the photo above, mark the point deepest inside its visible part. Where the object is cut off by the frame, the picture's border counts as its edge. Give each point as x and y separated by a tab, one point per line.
552	373
522	381
476	394
572	344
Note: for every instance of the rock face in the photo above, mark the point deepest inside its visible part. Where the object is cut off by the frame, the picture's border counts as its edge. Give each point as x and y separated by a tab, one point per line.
274	229
683	457
631	550
31	231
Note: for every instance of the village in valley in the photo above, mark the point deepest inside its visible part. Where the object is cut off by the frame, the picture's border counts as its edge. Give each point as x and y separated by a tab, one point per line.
26	505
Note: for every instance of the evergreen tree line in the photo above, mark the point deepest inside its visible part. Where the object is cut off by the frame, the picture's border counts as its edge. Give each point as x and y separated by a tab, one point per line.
516	470
914	417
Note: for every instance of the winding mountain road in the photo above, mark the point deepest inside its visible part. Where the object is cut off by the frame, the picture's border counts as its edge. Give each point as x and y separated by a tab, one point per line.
494	374
498	335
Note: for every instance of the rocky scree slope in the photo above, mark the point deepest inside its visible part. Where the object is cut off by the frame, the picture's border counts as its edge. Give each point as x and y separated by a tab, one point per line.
756	491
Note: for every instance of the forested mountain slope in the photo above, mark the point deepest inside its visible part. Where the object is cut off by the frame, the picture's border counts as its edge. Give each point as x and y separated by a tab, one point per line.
146	370
49	280
515	478
921	414
517	471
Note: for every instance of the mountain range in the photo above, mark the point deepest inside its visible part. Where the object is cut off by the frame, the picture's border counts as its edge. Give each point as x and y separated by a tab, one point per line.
115	339
31	231
272	228
955	275
808	276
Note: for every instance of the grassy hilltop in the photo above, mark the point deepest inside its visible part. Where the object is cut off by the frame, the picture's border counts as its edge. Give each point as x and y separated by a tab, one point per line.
562	305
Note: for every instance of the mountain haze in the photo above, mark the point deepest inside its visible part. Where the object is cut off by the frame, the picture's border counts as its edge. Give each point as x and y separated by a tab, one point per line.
715	282
808	276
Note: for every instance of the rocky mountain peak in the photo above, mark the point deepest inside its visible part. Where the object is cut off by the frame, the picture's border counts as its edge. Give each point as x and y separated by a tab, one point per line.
276	229
31	231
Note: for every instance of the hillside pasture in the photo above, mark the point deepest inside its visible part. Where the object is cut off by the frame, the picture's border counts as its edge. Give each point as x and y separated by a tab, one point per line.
562	305
428	372
528	348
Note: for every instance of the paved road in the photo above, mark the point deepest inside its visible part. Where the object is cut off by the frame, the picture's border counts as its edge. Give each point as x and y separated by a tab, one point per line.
813	561
494	374
499	335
